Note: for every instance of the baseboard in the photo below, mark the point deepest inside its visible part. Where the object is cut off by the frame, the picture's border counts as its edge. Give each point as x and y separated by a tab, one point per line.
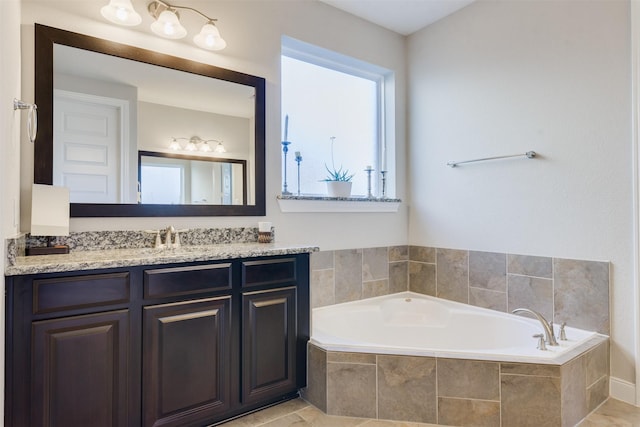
622	390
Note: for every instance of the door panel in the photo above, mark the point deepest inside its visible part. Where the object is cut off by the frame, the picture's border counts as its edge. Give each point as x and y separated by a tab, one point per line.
268	343
186	352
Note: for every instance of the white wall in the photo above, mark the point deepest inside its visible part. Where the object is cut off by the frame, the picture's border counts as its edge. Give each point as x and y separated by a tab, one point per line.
253	31
10	122
505	77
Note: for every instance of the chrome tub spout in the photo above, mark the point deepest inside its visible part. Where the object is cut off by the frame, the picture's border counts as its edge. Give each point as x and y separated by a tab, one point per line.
550	336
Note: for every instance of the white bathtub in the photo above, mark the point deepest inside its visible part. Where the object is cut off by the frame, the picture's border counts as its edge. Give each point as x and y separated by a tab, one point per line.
413	324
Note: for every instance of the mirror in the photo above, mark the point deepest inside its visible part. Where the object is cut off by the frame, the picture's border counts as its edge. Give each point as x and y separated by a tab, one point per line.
88	90
167	178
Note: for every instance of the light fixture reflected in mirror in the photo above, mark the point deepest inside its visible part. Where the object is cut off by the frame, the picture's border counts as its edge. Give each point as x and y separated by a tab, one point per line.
167	22
195	143
121	12
220	148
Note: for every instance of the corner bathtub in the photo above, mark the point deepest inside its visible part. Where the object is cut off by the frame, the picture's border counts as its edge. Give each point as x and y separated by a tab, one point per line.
414	358
414	324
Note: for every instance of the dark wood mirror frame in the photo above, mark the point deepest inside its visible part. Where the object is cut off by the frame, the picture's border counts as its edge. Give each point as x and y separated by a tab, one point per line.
47	37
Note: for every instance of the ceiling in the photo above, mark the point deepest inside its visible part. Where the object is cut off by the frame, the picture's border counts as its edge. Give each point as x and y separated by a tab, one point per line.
402	16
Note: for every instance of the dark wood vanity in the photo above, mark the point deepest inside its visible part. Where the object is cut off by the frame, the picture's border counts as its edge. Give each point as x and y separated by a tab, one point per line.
185	344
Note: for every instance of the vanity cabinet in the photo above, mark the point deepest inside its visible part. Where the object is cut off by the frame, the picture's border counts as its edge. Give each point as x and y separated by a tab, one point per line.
186	344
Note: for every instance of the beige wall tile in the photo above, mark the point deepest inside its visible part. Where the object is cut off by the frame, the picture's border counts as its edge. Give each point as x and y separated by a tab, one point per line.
597	393
351	390
407	388
344	357
597	363
488	270
527	265
530	369
452	275
322	288
529	401
375	288
468	412
398	253
580	284
375	263
574	392
422	278
399	276
488	299
422	254
532	293
321	260
468	379
316	390
348	275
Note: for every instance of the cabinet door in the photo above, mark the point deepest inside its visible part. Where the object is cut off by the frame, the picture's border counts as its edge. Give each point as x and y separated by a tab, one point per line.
185	359
81	371
268	344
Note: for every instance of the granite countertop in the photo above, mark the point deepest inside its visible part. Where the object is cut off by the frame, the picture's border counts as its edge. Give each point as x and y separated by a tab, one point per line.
113	258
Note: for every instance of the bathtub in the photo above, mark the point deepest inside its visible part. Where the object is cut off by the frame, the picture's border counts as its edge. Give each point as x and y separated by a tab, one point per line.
414	324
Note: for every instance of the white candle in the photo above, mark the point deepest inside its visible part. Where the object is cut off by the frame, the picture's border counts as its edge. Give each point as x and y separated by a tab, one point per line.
264	227
369	168
286	127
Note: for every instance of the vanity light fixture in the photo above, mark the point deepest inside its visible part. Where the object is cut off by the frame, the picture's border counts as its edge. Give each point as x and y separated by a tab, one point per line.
195	143
168	25
121	12
167	22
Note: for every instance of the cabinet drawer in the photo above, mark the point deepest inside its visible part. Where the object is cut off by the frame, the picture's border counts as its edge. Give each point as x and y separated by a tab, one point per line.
69	293
268	272
165	282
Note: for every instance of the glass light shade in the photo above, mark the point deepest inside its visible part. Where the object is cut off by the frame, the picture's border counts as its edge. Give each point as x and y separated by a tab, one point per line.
121	12
205	147
168	25
175	145
220	148
209	38
191	146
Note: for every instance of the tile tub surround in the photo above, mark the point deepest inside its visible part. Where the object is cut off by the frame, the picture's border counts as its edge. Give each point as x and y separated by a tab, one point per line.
563	290
457	392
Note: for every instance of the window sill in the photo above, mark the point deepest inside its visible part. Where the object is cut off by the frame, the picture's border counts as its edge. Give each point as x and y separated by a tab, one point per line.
334	204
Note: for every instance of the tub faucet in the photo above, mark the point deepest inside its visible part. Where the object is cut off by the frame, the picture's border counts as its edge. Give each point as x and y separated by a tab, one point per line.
548	327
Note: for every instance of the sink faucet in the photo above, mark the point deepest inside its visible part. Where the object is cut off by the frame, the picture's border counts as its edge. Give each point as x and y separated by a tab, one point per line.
548	327
168	232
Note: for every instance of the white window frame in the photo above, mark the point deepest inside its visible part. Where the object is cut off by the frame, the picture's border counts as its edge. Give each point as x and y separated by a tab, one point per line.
385	134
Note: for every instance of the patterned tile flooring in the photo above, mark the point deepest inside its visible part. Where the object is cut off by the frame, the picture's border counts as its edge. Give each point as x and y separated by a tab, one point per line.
299	413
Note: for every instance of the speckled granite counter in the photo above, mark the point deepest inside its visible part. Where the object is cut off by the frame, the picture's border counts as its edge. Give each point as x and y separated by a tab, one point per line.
89	260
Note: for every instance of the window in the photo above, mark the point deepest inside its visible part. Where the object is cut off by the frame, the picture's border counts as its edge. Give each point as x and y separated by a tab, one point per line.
163	184
333	114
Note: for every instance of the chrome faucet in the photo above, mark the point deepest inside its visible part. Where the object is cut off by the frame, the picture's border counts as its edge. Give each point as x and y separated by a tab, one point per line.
168	233
550	336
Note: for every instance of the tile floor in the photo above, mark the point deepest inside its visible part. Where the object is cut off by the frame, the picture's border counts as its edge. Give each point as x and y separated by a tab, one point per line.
299	413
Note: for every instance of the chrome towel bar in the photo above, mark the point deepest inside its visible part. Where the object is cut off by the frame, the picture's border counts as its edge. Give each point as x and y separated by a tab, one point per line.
528	154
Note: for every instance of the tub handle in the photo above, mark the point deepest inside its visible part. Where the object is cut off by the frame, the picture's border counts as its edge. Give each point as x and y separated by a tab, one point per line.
541	344
563	334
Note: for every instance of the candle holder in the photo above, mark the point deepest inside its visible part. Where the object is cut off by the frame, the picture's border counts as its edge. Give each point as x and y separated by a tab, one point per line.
384	184
368	170
298	160
285	150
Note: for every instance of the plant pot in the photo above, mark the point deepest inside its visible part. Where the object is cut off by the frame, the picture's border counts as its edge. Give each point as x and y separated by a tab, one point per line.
339	188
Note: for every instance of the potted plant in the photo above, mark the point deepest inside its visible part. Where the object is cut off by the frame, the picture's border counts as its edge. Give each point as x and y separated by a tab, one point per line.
339	180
